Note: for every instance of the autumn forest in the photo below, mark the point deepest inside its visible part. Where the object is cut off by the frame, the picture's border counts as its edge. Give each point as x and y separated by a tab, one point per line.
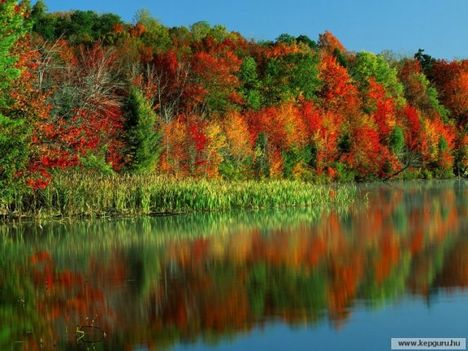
87	93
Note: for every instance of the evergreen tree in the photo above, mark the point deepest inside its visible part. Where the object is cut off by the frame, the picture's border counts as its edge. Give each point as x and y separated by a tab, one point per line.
250	89
142	138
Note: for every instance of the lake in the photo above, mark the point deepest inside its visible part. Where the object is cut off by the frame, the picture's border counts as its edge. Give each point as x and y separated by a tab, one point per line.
395	264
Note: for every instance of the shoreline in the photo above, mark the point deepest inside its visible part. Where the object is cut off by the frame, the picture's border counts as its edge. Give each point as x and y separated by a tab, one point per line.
75	197
129	196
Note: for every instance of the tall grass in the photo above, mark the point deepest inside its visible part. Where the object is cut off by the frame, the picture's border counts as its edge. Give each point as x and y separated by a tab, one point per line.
78	195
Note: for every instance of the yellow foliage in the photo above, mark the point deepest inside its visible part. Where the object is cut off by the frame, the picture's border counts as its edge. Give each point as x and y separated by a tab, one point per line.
237	135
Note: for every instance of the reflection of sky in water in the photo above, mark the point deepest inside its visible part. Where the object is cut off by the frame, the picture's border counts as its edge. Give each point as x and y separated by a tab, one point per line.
396	266
366	329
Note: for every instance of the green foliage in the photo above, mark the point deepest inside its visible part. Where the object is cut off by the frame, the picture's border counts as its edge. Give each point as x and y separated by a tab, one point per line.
88	26
286	39
296	156
12	28
96	165
250	88
344	173
344	143
368	65
65	100
426	174
289	77
313	149
397	141
443	145
142	138
235	169
432	98
39	10
229	170
43	24
304	75
306	40
77	26
156	35
219	33
443	173
261	164
200	30
79	195
340	58
14	141
14	133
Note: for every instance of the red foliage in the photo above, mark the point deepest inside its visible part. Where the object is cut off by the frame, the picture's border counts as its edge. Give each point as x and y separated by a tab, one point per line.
384	109
312	117
451	80
338	91
198	136
215	71
365	154
413	127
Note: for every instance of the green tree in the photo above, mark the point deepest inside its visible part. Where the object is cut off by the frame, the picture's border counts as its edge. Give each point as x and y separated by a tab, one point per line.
12	28
39	9
14	155
291	76
368	65
219	33
200	30
250	88
78	26
286	39
156	35
306	40
340	58
14	134
43	23
397	141
143	141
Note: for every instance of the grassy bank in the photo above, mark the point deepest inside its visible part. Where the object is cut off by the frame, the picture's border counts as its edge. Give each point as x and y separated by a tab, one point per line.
77	195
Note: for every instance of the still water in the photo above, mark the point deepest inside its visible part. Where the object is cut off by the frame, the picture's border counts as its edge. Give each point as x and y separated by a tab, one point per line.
394	265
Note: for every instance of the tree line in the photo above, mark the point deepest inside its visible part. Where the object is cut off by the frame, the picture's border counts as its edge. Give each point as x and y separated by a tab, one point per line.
89	92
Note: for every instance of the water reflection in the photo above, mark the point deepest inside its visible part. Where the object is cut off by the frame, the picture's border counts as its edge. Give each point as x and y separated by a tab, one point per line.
155	282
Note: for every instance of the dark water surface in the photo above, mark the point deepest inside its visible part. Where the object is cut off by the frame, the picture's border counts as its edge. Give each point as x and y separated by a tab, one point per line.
394	265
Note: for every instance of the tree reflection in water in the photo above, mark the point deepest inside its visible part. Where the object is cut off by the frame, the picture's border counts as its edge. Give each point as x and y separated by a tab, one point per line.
159	281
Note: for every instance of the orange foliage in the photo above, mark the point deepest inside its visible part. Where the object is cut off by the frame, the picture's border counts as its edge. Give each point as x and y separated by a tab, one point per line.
384	109
329	43
338	91
236	130
281	49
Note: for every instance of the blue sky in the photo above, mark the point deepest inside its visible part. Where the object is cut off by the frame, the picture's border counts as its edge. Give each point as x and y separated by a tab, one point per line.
403	26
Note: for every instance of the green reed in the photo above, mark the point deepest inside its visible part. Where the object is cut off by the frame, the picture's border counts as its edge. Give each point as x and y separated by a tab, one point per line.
85	196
